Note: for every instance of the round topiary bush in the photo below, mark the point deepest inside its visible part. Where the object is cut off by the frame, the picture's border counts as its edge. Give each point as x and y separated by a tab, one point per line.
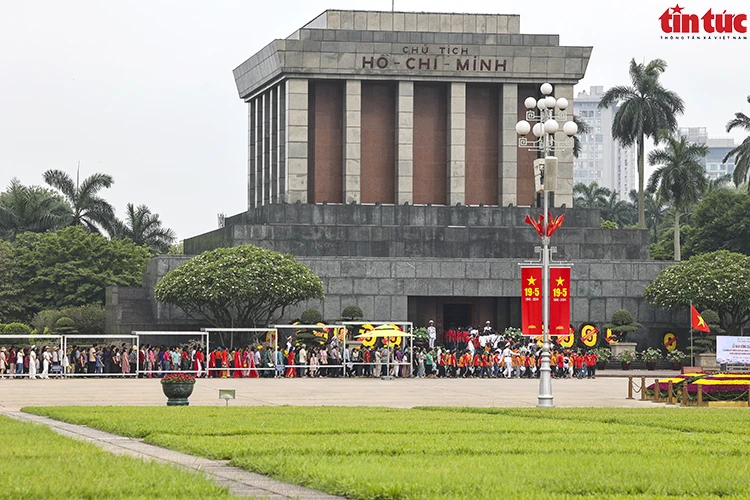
710	317
311	317
65	325
352	312
16	329
622	317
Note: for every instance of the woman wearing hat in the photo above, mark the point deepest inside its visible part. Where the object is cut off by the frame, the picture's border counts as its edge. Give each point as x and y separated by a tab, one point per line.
3	362
32	363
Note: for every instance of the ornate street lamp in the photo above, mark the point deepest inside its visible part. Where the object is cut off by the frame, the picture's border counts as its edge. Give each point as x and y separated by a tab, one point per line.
546	123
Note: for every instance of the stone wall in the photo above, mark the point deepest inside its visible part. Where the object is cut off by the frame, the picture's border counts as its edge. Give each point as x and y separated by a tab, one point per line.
463	232
381	287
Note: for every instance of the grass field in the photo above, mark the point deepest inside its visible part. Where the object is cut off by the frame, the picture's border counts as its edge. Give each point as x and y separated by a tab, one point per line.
37	463
440	453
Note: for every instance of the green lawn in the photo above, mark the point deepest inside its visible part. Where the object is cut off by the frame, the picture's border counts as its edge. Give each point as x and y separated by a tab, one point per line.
433	453
35	463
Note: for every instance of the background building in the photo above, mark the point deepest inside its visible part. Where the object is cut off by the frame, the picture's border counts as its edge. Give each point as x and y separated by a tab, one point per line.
382	153
602	158
717	150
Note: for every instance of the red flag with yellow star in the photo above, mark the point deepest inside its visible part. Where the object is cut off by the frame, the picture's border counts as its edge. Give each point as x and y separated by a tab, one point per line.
531	300
559	301
696	321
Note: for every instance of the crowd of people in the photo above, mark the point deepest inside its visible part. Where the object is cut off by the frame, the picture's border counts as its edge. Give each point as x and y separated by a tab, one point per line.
465	353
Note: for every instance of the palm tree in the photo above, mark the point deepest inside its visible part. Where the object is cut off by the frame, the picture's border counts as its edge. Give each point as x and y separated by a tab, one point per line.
717	184
590	196
655	210
89	210
679	177
741	153
583	128
30	208
144	228
644	109
618	211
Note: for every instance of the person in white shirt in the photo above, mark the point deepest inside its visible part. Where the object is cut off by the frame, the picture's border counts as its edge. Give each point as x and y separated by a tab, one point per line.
32	363
508	360
432	333
46	361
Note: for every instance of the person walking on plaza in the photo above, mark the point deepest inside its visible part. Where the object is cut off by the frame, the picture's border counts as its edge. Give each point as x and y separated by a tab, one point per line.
124	361
432	333
3	362
46	362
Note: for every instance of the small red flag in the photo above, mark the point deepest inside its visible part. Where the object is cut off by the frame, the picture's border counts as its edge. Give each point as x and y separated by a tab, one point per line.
696	321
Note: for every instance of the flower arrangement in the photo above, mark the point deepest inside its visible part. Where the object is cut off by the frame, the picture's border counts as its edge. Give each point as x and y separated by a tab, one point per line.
178	378
627	356
603	353
651	354
676	356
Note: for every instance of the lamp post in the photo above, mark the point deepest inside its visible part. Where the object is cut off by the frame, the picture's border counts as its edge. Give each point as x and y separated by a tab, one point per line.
550	110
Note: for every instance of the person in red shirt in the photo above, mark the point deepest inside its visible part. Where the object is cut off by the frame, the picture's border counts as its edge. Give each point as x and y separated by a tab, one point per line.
590	360
477	364
560	363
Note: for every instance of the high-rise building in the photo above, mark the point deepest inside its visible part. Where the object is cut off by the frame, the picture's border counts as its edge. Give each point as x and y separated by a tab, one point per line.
713	162
602	158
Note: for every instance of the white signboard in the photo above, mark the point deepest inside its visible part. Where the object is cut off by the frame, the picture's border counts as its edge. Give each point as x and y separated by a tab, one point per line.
733	350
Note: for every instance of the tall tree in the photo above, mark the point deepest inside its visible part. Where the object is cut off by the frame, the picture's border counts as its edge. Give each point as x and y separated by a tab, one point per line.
31	208
89	210
645	108
721	221
741	153
720	183
144	228
618	211
655	210
679	177
590	196
583	128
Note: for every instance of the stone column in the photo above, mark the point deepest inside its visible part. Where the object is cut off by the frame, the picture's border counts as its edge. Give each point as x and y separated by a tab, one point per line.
251	202
564	193
296	137
405	143
457	144
352	140
508	141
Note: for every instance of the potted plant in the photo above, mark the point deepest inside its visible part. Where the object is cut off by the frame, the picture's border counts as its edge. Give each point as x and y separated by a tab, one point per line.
421	337
626	357
177	388
603	354
651	356
676	357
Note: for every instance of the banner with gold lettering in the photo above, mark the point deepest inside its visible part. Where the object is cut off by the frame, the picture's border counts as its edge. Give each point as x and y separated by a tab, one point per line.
559	301
531	300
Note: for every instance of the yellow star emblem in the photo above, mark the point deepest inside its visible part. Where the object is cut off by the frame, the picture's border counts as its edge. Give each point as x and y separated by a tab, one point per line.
700	321
532	280
560	281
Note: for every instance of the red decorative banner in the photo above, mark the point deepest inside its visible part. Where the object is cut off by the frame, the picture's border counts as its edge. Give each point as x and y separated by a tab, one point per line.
531	300
559	300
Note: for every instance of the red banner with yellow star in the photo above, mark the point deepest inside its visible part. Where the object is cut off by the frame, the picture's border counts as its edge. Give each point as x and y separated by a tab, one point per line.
559	300
531	300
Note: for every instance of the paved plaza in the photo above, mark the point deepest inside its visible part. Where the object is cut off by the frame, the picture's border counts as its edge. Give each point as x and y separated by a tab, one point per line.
604	391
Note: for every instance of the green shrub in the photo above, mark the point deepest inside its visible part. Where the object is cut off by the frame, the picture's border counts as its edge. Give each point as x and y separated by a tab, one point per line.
311	317
622	317
88	320
352	313
65	325
16	329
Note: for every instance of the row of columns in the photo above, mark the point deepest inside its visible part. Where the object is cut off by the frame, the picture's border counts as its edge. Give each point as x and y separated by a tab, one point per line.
294	161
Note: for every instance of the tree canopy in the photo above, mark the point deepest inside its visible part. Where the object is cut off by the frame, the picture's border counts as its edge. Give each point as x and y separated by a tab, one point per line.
89	209
144	228
244	286
718	280
721	221
741	153
31	208
73	267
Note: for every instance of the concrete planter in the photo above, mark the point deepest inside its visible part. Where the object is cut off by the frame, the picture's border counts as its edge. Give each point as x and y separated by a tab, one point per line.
707	361
620	347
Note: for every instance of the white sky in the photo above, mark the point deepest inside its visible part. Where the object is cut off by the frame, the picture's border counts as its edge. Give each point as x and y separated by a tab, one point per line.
143	90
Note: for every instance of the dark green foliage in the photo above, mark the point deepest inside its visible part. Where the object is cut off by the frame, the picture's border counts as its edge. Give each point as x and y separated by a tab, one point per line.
64	325
721	221
311	317
622	323
352	313
89	210
16	329
144	228
10	287
73	267
31	208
